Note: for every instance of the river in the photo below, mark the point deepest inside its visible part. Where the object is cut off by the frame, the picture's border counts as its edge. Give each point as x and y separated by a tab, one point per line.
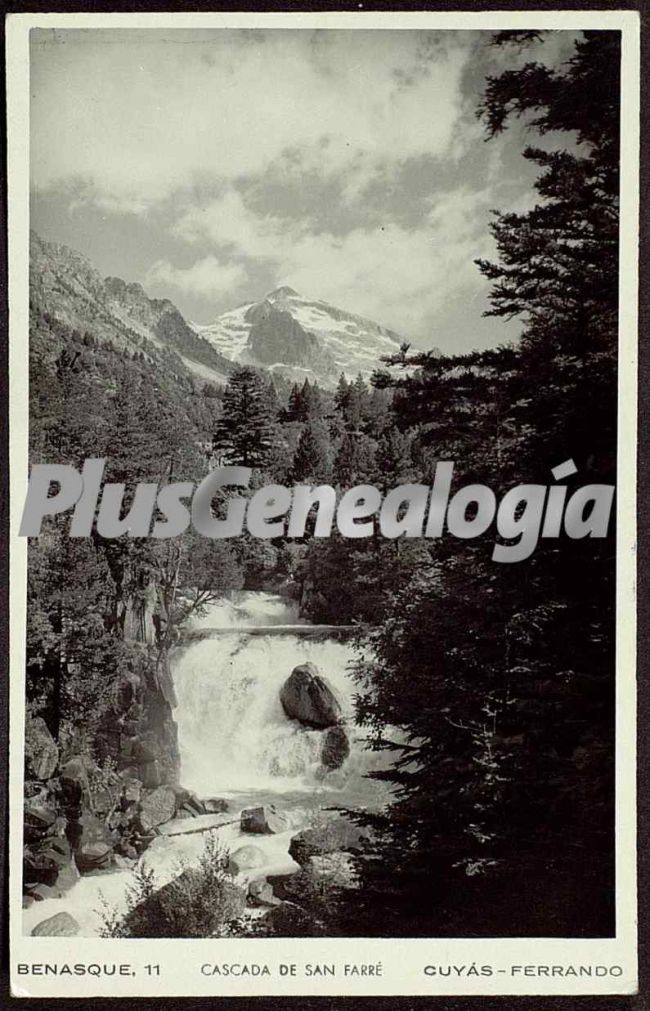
236	743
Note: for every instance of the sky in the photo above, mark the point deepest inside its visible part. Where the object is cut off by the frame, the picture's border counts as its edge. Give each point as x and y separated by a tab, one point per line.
212	166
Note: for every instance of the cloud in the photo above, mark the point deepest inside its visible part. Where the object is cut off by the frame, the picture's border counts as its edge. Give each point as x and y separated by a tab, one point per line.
133	118
403	277
208	277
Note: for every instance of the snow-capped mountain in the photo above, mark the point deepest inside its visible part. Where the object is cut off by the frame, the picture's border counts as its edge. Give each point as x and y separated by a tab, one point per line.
300	338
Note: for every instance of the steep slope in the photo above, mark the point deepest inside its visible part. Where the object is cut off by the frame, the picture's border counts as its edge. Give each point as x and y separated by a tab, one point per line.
65	285
301	338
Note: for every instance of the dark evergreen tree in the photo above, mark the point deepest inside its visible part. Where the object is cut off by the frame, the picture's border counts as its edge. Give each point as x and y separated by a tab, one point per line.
312	462
246	430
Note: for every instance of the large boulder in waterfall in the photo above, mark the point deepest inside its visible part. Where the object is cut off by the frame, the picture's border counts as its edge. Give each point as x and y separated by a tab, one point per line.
246	858
157	807
41	750
308	698
266	820
336	747
337	834
59	925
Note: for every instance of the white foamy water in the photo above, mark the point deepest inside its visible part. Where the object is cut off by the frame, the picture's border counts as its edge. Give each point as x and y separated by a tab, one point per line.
236	742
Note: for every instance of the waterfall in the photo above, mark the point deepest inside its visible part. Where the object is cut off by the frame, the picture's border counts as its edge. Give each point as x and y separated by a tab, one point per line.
233	733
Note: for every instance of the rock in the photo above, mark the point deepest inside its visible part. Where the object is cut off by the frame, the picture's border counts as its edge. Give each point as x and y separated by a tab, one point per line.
291	920
39	869
39	819
336	747
265	820
245	859
76	770
132	790
94	846
215	805
59	925
336	834
40	893
307	697
151	775
94	856
260	893
41	750
125	863
193	807
288	887
157	807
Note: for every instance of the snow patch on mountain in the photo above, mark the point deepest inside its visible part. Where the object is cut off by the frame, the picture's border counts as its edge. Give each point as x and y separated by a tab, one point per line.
286	332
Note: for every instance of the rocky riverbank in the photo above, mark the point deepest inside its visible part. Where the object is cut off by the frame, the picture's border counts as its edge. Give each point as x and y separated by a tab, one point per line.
86	817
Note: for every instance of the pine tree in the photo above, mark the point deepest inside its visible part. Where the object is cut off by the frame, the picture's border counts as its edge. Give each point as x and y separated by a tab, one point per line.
246	430
355	460
312	462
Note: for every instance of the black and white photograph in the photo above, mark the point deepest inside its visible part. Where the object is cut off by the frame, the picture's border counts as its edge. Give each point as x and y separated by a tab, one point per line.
323	385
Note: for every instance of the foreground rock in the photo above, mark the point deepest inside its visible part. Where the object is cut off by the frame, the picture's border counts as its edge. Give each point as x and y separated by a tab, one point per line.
337	834
260	893
41	750
265	820
157	807
336	747
60	925
246	858
308	698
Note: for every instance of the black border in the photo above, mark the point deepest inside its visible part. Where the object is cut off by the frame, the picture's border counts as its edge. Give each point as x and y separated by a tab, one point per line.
638	1002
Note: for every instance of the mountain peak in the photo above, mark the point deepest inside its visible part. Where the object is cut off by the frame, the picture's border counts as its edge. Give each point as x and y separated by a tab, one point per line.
284	291
301	338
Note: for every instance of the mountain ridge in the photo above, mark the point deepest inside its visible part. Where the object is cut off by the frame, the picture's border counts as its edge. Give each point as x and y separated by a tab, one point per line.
313	339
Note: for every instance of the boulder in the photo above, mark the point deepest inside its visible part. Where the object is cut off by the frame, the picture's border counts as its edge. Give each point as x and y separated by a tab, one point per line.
132	790
41	750
336	747
59	925
94	856
76	770
151	774
308	698
39	818
246	858
94	844
193	807
215	805
39	893
157	807
265	820
260	893
39	869
336	834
